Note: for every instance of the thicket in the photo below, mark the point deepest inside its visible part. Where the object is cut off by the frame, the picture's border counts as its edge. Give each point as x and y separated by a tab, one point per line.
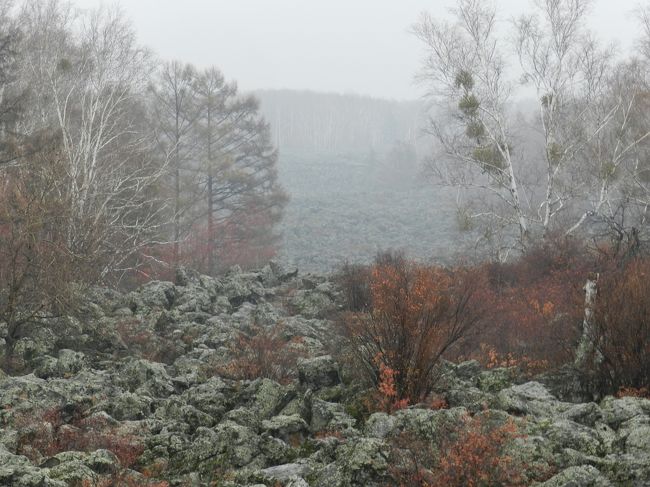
621	335
416	315
477	452
403	318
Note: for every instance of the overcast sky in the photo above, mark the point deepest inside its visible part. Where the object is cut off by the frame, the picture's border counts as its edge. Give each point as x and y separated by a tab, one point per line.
349	46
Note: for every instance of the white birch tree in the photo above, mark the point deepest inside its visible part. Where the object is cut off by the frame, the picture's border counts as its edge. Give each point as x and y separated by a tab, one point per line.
87	77
581	168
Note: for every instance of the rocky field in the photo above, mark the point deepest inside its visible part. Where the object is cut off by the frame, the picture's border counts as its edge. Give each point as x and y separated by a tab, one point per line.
345	209
146	389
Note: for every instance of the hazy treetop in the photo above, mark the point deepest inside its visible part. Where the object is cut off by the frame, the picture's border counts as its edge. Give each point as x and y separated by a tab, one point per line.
350	46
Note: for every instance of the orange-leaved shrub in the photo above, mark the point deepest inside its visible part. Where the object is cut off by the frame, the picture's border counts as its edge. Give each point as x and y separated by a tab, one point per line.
622	328
264	352
473	454
417	315
537	303
42	434
477	457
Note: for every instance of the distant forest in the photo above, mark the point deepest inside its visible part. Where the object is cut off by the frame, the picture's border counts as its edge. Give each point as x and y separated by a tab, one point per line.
309	122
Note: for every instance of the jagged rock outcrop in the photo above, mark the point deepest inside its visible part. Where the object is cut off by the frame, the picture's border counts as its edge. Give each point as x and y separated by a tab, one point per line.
143	382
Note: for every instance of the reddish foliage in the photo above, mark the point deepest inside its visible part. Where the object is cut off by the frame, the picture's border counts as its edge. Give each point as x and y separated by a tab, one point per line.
633	392
385	398
45	433
265	352
622	327
472	455
477	457
492	359
537	302
321	435
439	403
418	315
247	241
123	479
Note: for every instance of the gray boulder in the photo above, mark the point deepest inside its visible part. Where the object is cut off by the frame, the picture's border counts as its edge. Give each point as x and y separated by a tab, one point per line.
531	398
581	476
146	378
291	429
316	373
288	472
617	411
363	462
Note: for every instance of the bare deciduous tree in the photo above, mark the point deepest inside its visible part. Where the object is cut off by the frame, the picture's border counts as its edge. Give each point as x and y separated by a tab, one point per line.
466	71
88	76
579	164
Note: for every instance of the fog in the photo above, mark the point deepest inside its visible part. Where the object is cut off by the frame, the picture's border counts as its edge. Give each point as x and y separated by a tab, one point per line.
361	46
336	83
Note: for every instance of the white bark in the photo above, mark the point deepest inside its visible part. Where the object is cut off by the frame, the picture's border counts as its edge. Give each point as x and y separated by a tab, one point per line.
587	349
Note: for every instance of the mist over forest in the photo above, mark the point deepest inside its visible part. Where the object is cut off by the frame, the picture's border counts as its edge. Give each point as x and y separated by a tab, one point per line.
355	167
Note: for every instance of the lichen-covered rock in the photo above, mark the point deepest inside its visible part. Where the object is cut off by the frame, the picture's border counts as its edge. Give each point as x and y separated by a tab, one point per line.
567	434
467	371
228	444
214	397
71	469
153	295
312	304
469	397
587	414
617	411
582	476
281	272
364	462
494	380
531	398
67	364
329	416
146	378
16	470
239	288
287	472
28	350
291	429
429	424
70	362
316	373
380	425
26	393
267	397
128	406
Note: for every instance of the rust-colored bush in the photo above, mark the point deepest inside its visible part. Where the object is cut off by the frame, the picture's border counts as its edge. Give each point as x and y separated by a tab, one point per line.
471	455
264	352
633	392
45	433
537	303
418	314
477	457
622	328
